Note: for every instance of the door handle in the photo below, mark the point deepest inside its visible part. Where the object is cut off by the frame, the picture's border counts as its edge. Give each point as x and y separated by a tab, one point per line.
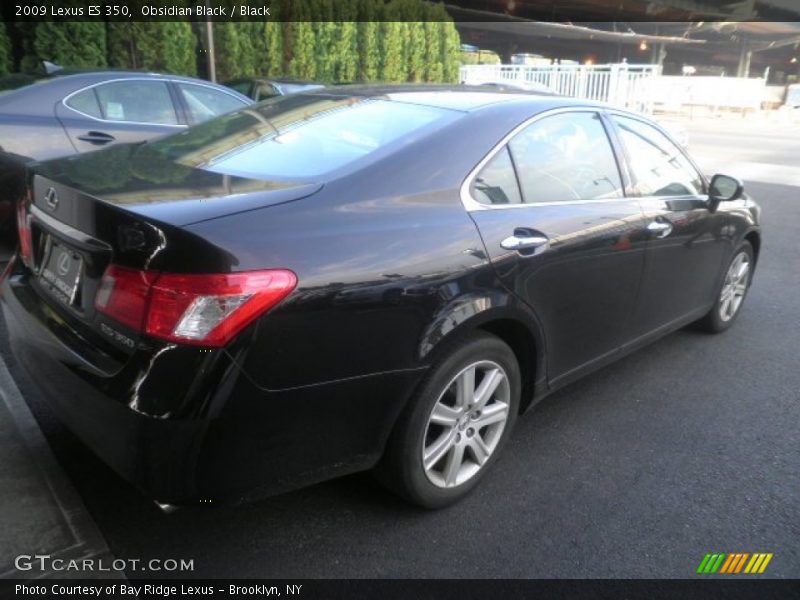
98	138
521	243
660	229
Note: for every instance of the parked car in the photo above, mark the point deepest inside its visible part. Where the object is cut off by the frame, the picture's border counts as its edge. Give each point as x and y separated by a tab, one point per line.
261	88
515	86
82	112
321	285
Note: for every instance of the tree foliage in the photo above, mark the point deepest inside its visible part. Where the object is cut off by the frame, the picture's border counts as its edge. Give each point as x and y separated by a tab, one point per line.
325	40
165	46
6	61
68	43
237	55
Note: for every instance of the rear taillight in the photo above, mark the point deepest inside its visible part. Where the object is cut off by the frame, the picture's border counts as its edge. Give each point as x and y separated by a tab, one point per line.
206	310
24	232
123	295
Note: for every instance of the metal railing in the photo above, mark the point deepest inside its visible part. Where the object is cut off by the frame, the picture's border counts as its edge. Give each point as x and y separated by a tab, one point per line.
624	85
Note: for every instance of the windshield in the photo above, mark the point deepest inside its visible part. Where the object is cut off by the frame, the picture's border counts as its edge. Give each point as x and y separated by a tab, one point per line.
300	137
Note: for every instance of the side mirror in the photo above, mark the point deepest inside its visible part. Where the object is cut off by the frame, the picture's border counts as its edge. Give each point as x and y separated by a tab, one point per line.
724	188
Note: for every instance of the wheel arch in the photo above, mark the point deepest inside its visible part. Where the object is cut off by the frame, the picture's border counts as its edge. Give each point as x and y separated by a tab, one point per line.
754	237
510	321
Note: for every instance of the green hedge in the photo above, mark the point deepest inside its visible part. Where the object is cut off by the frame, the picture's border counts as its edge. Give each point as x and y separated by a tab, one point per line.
6	63
169	47
357	41
76	43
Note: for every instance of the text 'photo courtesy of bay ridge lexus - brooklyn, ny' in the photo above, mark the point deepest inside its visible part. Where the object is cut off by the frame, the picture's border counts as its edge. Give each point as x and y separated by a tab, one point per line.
358	278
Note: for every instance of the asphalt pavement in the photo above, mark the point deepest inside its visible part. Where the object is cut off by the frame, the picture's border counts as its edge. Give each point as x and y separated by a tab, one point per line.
686	447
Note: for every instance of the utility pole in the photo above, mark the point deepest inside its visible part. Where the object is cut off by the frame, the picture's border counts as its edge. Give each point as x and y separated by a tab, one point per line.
212	63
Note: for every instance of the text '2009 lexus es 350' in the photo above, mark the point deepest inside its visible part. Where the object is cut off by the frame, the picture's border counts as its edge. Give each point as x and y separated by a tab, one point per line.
358	278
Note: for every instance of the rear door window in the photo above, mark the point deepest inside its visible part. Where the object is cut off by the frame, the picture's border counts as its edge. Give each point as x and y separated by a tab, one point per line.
497	182
86	102
138	101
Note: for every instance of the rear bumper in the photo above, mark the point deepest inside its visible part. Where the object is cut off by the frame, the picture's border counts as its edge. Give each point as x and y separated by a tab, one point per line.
235	441
152	453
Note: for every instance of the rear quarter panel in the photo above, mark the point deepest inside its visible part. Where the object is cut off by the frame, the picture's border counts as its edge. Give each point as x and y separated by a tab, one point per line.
384	257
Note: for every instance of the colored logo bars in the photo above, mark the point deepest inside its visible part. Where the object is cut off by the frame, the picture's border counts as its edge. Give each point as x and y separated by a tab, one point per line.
737	562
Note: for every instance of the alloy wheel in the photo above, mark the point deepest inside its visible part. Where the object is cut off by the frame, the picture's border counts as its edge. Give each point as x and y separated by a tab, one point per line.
466	424
735	287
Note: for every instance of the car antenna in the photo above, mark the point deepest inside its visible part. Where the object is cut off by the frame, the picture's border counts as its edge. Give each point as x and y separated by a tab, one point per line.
51	68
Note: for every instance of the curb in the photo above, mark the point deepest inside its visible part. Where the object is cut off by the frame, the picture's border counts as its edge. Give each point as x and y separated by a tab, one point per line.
85	542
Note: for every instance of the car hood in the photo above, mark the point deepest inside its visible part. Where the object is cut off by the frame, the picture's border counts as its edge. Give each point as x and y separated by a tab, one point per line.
143	181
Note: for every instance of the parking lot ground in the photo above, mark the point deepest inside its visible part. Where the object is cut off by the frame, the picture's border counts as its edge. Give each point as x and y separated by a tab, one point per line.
686	447
41	511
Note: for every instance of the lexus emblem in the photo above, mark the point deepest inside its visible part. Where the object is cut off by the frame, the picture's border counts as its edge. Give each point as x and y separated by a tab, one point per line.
51	199
63	264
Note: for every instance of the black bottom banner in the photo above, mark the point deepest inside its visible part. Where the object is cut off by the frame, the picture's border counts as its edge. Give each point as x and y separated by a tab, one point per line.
406	589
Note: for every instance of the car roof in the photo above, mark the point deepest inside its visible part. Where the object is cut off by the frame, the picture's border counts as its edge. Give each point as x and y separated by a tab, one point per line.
454	97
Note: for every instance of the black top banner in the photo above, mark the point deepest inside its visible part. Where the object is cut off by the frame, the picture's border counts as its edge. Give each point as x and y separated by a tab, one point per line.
563	11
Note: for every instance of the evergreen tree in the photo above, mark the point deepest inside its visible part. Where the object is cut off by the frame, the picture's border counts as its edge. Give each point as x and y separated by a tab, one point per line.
450	44
164	46
6	62
392	38
416	66
346	53
451	49
275	53
179	44
433	52
235	48
268	47
66	43
302	48
344	49
122	42
370	13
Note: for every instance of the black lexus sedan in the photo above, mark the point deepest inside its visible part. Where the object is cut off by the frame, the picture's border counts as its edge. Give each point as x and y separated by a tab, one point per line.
359	278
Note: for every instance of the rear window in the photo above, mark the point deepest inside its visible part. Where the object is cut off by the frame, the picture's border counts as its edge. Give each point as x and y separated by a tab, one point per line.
299	137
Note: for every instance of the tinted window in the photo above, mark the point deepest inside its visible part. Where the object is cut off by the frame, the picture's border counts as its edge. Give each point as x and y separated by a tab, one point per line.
266	90
497	182
566	157
137	100
205	103
298	137
243	87
86	102
658	166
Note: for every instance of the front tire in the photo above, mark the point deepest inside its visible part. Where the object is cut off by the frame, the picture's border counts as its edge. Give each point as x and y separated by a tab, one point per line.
732	291
456	424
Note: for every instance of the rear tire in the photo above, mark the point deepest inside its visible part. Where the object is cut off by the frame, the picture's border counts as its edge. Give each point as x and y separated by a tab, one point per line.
455	426
732	291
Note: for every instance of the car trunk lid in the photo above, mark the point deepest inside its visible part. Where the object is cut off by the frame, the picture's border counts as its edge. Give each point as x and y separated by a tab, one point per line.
82	219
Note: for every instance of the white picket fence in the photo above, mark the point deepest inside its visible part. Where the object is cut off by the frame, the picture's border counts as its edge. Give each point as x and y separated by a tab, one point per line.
636	87
624	85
